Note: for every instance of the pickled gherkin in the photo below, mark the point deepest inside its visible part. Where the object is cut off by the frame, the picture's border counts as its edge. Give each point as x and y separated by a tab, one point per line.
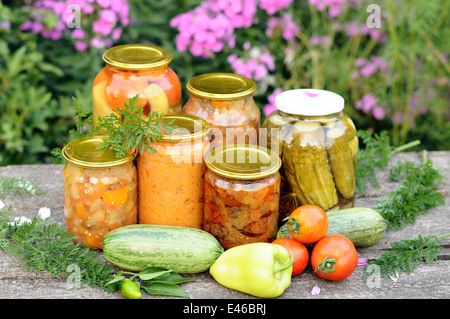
341	160
306	166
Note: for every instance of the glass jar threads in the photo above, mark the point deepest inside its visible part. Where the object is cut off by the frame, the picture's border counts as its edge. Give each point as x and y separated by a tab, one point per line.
136	69
100	190
171	180
318	145
225	101
242	191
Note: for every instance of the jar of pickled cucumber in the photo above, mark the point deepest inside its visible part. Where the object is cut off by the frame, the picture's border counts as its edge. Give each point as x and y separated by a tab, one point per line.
225	101
242	192
171	186
100	190
318	145
136	69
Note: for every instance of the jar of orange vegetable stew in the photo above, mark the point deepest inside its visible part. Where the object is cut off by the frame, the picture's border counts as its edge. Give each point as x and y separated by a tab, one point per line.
171	189
225	101
242	192
136	69
100	190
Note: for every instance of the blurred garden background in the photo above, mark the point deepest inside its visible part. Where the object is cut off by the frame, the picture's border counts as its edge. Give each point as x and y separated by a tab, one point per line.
389	59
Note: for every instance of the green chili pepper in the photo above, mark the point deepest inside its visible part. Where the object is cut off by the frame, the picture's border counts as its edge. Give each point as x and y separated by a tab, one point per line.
260	269
130	289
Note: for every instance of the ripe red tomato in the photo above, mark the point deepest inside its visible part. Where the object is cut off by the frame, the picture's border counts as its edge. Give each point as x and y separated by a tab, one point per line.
307	224
334	257
301	254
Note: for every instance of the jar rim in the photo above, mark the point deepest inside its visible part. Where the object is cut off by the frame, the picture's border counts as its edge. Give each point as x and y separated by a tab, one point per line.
243	161
137	56
84	152
187	127
309	102
221	86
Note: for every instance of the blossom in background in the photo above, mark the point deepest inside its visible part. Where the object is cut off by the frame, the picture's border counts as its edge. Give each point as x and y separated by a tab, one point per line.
108	17
368	67
334	6
323	41
288	27
210	27
256	65
270	106
273	6
353	29
369	104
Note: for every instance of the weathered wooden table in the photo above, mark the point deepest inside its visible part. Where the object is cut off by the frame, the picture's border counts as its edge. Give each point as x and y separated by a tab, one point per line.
426	282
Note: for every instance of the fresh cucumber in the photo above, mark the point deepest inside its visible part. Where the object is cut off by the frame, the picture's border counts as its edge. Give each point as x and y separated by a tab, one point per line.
363	226
181	249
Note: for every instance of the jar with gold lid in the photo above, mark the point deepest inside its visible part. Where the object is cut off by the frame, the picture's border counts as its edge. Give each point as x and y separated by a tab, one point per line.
318	144
242	191
225	101
171	189
136	69
100	190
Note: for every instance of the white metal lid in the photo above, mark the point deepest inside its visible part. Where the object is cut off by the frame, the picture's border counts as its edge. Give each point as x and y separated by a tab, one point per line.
309	102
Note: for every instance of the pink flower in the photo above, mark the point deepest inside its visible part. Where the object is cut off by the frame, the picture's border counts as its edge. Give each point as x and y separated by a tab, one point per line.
78	34
378	112
102	27
271	107
81	46
256	67
286	24
273	6
315	291
362	261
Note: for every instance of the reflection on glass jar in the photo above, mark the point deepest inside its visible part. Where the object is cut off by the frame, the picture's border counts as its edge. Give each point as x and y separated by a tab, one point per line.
136	70
242	194
171	189
318	145
100	191
225	101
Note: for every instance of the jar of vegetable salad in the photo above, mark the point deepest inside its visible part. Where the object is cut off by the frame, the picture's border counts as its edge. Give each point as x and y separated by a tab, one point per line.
171	188
318	144
242	192
225	101
100	190
136	69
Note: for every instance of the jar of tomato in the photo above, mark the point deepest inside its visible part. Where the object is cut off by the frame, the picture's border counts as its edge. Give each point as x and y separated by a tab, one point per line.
136	69
225	101
242	192
318	144
100	190
171	189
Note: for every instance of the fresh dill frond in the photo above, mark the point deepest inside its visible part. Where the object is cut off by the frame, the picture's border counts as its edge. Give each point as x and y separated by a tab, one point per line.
416	194
129	130
12	185
375	154
405	256
43	246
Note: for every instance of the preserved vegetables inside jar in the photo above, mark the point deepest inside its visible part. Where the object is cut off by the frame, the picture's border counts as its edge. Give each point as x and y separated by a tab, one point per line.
171	181
226	102
319	151
97	199
241	199
136	70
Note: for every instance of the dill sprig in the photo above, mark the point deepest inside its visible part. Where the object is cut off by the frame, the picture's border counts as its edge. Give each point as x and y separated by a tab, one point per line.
13	185
43	246
376	153
129	130
406	255
415	195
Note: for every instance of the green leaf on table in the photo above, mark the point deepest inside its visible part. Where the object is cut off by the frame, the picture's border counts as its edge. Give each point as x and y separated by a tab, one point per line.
152	272
164	289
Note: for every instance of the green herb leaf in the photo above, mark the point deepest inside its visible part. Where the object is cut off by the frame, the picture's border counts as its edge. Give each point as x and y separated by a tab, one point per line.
164	289
152	272
13	185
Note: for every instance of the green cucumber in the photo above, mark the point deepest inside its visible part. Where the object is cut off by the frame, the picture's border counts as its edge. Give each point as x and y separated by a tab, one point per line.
363	226
180	249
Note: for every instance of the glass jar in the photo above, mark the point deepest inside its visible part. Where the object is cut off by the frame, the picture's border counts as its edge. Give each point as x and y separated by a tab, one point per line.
171	189
318	146
134	69
242	192
225	101
100	190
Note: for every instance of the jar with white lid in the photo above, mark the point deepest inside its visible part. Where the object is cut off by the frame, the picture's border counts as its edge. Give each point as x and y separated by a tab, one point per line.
318	145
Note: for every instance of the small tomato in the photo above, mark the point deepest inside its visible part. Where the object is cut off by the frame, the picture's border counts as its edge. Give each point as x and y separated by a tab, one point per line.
307	224
300	252
334	257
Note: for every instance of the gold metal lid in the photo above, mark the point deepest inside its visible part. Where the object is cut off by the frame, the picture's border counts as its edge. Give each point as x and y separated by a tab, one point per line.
137	56
188	127
84	152
221	86
243	162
